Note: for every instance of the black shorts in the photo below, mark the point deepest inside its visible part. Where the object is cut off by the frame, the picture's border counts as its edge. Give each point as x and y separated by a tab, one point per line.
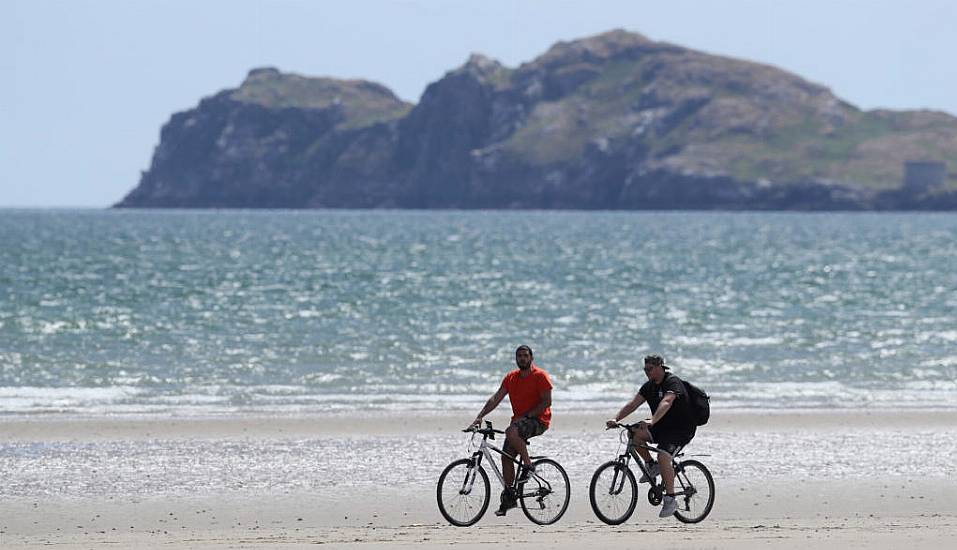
527	428
669	440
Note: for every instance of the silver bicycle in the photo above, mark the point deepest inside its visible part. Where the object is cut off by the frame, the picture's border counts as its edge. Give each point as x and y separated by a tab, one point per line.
463	491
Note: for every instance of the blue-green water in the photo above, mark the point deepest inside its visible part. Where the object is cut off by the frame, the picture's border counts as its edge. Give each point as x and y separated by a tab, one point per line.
195	312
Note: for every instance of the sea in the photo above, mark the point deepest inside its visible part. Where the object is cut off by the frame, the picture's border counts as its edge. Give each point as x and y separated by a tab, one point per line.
209	312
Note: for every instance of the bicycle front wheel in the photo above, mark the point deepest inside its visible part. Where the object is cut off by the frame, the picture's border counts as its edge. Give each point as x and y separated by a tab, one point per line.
545	495
613	492
463	492
696	487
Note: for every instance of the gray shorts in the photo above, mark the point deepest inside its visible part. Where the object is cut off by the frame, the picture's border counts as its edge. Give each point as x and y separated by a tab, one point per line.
527	428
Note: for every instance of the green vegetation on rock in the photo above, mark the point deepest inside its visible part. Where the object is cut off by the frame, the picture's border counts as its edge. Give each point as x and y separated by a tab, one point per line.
610	121
363	103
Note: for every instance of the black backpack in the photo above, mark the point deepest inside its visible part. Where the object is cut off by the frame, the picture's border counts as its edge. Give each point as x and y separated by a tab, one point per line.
699	402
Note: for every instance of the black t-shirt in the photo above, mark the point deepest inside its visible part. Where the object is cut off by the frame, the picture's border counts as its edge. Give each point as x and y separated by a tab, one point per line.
678	418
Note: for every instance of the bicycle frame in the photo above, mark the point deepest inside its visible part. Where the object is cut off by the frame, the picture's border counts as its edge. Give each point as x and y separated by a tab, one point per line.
463	490
485	451
632	452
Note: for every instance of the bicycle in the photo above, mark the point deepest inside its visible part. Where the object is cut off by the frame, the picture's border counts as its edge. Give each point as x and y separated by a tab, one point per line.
463	491
614	492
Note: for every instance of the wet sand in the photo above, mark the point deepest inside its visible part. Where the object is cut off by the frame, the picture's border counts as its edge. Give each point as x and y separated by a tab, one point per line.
896	510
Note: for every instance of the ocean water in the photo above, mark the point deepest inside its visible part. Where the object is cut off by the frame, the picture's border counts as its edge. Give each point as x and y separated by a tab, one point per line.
209	312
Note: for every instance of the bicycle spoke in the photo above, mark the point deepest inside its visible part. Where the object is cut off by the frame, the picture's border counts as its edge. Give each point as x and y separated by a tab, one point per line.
463	493
546	494
613	493
697	491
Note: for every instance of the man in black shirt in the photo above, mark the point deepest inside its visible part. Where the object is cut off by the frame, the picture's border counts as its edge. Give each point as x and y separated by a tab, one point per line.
670	426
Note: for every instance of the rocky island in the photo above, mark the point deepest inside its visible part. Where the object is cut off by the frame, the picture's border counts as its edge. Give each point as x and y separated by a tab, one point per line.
614	121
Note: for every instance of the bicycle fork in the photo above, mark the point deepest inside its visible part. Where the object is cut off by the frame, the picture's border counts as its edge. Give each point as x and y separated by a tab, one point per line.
470	474
618	480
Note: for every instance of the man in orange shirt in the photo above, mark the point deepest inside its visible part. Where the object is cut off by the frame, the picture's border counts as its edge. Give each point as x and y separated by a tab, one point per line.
529	390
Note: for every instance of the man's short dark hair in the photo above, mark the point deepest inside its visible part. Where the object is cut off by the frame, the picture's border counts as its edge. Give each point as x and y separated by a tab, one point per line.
656	360
526	348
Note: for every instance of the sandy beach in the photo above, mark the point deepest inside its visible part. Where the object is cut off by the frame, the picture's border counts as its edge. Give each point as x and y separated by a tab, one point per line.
850	495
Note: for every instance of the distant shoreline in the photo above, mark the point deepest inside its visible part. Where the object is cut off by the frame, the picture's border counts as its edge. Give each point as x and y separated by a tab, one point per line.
98	427
113	208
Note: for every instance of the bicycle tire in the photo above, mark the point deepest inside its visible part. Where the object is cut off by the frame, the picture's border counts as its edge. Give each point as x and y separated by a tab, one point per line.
628	492
451	499
700	478
545	503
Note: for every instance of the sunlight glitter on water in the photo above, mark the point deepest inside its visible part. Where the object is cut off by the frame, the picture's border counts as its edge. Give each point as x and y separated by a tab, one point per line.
204	311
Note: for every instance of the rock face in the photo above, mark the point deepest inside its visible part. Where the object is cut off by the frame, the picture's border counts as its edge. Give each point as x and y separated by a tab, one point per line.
278	141
614	121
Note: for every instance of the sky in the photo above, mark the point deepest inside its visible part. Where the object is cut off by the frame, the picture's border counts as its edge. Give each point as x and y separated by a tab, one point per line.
85	86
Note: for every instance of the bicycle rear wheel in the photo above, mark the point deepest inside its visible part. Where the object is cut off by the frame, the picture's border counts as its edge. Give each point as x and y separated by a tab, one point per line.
613	492
463	492
695	482
545	495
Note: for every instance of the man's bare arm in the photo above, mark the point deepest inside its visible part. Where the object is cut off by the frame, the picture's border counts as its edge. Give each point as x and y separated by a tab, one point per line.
629	408
490	405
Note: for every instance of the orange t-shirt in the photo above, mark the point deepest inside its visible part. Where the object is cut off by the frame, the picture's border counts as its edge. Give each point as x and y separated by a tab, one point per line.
525	393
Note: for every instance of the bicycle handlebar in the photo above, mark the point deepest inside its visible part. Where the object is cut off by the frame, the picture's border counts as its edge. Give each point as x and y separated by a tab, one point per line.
631	427
628	427
488	431
483	431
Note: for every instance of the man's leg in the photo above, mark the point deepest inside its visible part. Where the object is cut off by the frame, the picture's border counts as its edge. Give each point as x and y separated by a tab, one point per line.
508	467
668	503
667	472
642	436
508	473
517	442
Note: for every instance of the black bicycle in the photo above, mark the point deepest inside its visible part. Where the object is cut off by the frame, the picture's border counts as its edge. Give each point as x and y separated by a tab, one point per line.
614	491
463	491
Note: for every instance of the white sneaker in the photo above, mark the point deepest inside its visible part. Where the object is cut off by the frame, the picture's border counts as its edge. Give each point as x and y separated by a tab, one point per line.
668	507
654	469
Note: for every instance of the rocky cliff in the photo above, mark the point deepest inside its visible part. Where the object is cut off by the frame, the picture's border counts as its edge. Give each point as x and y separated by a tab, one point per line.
611	121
